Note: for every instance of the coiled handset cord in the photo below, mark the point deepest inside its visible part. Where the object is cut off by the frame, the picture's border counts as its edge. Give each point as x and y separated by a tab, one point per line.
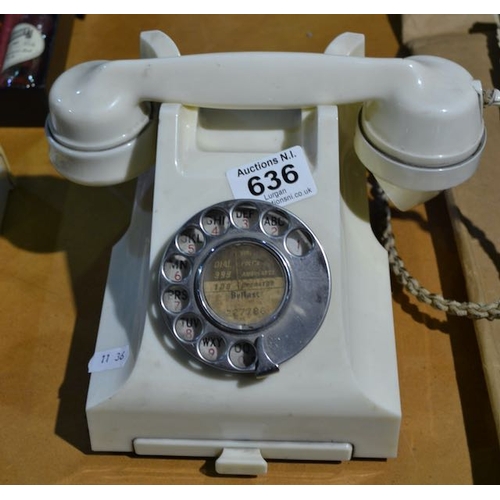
471	310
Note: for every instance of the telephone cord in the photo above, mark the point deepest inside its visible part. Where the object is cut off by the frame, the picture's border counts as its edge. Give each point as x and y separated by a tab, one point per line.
491	97
471	310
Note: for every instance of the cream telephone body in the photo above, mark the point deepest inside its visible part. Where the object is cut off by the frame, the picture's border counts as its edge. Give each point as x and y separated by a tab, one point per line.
247	313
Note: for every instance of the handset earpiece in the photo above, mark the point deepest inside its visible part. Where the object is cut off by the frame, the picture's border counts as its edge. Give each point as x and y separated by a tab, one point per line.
428	137
98	135
420	129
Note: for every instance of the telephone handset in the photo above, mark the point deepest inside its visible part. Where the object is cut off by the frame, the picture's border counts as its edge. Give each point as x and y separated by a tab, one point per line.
420	129
258	257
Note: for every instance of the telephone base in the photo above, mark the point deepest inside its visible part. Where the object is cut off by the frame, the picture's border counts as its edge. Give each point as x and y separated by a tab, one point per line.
337	397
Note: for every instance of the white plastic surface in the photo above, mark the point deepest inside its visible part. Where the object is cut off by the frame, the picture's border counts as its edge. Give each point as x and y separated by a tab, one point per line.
109	166
241	461
408	185
342	388
431	95
421	111
338	397
243	457
133	154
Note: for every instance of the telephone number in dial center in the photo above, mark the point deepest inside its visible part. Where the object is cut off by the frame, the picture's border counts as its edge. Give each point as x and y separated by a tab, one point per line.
247	302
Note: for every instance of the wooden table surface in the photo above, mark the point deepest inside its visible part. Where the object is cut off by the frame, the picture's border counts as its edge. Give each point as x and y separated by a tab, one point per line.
54	252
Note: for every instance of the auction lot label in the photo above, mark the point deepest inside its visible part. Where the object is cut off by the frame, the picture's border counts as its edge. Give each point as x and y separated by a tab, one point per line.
280	179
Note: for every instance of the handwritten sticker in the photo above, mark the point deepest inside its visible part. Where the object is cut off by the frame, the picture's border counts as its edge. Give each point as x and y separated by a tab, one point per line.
109	359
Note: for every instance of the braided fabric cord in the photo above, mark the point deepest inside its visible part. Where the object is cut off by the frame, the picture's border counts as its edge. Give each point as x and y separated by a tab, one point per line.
471	310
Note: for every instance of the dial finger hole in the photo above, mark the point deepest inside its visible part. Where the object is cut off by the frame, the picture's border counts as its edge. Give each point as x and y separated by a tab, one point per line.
175	299
242	355
188	327
190	241
275	223
215	222
245	216
176	268
211	347
299	242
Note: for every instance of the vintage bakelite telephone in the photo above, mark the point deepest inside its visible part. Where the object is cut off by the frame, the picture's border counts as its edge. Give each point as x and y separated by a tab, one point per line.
247	312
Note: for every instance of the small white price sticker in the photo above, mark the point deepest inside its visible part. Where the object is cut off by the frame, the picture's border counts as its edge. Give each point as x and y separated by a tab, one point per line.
108	359
280	179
